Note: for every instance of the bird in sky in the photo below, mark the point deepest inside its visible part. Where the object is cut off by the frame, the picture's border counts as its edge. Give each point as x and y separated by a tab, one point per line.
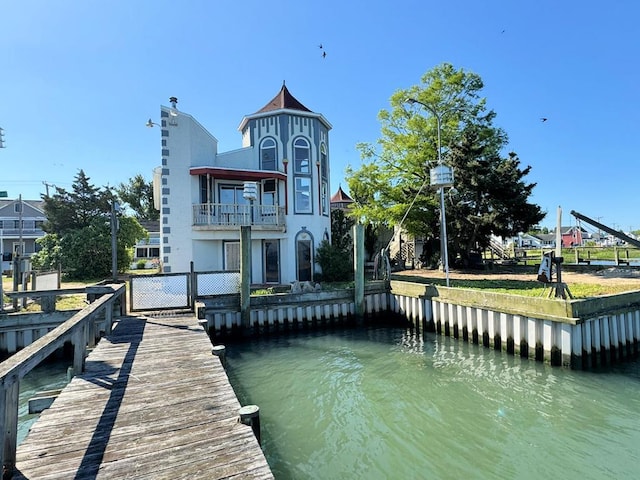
543	119
320	46
324	54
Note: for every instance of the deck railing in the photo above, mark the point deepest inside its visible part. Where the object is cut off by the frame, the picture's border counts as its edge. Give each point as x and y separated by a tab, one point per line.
79	330
226	214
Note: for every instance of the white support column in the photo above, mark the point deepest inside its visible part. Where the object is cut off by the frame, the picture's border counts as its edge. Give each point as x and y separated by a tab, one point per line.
547	339
471	321
516	333
451	318
615	338
630	334
570	342
483	324
493	320
461	315
506	320
605	338
622	337
587	343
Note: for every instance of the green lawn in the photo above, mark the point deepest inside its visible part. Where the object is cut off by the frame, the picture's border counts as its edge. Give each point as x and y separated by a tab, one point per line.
533	288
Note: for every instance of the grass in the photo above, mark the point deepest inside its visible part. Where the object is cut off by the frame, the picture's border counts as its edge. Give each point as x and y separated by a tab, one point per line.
585	253
533	288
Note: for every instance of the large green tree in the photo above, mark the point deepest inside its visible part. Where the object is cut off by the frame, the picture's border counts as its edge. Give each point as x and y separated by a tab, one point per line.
138	194
392	186
79	232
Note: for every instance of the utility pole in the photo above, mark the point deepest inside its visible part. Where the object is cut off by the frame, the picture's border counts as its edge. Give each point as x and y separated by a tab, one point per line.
17	257
47	185
114	240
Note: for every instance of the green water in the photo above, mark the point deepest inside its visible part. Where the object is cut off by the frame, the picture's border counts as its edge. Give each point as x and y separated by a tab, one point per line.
50	375
384	403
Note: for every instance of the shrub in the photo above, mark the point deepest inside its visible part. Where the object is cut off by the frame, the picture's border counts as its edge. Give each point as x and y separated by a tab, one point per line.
335	263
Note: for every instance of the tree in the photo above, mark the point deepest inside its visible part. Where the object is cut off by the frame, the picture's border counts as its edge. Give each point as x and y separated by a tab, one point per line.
392	185
138	194
73	210
79	232
341	226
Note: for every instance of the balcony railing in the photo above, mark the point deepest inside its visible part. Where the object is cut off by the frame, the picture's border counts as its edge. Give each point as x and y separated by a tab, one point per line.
232	215
13	232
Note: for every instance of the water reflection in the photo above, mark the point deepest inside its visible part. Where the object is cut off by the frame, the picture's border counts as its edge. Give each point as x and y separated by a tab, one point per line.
390	403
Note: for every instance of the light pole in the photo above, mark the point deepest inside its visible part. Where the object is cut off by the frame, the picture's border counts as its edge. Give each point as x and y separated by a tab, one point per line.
114	240
441	176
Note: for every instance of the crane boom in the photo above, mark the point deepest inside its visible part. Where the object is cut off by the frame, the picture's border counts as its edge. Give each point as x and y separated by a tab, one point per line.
613	232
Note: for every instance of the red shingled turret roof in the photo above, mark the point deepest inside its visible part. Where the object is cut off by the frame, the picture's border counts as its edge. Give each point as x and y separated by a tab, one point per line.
341	197
283	100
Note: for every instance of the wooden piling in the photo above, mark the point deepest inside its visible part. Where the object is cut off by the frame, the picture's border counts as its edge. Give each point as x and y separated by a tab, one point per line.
220	351
250	415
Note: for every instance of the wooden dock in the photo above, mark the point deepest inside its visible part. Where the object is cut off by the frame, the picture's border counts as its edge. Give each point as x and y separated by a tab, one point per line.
153	403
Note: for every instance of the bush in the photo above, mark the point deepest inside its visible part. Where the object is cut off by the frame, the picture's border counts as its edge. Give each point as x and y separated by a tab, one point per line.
336	264
141	264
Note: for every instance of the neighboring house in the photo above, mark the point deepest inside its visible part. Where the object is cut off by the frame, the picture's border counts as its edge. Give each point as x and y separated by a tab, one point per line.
340	200
548	240
20	224
572	236
148	248
525	240
278	183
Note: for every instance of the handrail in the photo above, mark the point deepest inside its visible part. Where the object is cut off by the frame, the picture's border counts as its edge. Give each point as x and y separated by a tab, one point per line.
228	214
76	330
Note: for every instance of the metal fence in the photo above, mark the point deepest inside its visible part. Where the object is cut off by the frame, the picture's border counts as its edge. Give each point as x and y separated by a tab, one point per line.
216	283
179	290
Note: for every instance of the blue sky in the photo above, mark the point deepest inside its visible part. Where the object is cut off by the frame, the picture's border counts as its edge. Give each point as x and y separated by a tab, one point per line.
79	79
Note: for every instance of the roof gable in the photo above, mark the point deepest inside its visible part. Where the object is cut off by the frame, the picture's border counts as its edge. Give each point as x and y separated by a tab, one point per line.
31	208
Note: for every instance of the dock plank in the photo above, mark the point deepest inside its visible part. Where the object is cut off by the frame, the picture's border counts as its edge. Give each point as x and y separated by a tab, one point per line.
153	403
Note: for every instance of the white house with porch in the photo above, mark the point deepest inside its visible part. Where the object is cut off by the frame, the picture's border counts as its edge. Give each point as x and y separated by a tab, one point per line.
278	183
20	226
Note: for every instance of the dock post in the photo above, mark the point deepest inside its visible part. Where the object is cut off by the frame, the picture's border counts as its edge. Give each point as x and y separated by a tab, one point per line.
220	351
9	422
245	279
250	415
358	260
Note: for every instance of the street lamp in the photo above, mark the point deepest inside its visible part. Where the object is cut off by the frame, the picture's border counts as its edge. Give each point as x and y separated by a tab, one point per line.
115	208
441	176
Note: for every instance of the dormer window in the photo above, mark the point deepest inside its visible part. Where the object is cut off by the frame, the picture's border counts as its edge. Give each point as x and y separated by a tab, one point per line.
301	156
268	154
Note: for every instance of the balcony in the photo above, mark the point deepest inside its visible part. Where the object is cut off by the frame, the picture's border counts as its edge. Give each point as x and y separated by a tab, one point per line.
26	232
225	216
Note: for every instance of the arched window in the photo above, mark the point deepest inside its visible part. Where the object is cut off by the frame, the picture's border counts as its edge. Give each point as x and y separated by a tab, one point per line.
304	256
301	156
302	176
268	154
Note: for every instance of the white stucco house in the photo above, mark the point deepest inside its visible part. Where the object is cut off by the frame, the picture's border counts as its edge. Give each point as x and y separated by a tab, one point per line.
205	196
